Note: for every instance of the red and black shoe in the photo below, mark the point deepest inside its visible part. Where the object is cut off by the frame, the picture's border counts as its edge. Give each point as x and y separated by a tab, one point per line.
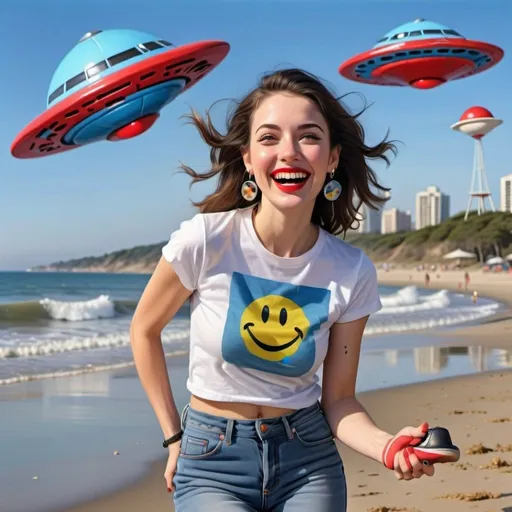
437	447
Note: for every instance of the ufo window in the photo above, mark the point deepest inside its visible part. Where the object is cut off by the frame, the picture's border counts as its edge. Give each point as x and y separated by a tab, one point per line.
165	43
55	94
432	31
97	68
73	82
415	33
401	35
382	40
121	57
451	33
152	45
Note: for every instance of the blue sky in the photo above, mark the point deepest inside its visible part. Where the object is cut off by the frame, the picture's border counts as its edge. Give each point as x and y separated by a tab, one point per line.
110	196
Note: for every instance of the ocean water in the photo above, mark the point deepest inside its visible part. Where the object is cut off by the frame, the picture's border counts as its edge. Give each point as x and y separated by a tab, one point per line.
58	324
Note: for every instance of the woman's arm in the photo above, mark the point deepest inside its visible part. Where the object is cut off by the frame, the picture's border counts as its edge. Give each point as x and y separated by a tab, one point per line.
347	418
162	298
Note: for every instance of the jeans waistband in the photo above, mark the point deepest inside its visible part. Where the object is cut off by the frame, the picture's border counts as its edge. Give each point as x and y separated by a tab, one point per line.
258	428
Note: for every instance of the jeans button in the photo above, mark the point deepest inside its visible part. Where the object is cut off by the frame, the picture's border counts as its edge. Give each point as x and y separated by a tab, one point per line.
263	427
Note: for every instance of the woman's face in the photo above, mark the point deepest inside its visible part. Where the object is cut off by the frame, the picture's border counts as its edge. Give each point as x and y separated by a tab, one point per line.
289	152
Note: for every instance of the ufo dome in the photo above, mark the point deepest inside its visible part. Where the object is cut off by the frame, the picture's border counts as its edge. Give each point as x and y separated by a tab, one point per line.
416	31
98	54
476	112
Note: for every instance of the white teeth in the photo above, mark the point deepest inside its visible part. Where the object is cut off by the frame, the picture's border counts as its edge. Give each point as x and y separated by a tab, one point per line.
290	175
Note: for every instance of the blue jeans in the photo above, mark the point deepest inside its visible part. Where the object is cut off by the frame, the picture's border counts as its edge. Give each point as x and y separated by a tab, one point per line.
284	464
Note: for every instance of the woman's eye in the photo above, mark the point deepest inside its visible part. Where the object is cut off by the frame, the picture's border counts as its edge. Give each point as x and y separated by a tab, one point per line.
266	137
311	136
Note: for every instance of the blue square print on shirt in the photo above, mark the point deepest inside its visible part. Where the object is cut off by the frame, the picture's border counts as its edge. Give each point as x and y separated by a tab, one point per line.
270	325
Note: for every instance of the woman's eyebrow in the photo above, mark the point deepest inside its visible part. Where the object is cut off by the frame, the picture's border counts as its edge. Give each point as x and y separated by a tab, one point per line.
301	127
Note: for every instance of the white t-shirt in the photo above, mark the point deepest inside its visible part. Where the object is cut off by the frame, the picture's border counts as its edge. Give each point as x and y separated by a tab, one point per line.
260	323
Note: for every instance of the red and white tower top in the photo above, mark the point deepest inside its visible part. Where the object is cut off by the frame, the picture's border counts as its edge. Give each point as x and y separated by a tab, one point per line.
476	122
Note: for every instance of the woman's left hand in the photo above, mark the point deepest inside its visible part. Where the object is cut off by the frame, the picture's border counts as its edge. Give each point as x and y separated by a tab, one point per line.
406	464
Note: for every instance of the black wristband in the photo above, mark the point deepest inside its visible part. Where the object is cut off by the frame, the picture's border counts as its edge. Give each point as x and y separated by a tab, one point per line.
173	439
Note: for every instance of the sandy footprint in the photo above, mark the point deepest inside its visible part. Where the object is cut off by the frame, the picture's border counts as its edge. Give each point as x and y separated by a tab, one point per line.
480	448
384	508
497	463
470	496
458	412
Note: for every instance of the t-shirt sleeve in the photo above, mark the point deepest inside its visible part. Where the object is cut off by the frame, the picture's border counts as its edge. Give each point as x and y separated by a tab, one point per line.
185	251
364	298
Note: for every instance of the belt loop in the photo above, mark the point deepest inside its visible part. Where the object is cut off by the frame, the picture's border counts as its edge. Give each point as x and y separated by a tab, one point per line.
183	418
229	431
287	427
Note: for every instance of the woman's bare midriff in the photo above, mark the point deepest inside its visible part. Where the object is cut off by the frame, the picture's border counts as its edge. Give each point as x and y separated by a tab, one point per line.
236	410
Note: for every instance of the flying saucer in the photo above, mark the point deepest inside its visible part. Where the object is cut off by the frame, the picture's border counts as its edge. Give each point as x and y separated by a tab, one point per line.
476	122
421	54
112	86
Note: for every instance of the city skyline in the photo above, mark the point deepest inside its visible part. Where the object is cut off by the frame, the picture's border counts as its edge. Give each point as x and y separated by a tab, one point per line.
436	207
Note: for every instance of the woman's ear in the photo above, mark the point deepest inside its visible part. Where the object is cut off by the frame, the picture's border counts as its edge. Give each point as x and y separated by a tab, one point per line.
246	156
334	158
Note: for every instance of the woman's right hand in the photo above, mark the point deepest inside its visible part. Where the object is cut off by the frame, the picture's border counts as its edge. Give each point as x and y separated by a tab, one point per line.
172	461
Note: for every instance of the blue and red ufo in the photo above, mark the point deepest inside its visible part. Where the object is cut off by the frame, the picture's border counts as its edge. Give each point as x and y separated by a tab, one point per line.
112	86
423	55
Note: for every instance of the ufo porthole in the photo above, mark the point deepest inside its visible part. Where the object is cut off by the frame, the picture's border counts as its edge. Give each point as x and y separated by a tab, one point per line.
95	69
89	35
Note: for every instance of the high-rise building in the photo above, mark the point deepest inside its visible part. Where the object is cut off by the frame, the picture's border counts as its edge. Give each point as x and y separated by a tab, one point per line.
370	220
432	207
394	220
506	193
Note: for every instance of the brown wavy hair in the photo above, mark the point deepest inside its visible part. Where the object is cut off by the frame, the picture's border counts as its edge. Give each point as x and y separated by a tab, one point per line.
353	172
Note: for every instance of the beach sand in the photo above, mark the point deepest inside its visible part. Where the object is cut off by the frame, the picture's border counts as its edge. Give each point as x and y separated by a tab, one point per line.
477	409
478	412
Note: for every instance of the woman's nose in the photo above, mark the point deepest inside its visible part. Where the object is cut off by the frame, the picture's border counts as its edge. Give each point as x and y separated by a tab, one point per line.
289	149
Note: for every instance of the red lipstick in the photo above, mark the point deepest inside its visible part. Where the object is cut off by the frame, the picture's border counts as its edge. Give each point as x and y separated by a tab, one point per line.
290	179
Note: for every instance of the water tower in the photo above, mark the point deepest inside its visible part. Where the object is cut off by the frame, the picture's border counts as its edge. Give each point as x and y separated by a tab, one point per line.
478	122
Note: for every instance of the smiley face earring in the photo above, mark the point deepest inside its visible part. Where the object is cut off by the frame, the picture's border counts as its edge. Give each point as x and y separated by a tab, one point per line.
332	189
249	189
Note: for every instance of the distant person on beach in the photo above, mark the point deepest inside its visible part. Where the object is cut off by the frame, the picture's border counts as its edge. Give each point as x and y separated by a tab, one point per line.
466	280
427	279
274	294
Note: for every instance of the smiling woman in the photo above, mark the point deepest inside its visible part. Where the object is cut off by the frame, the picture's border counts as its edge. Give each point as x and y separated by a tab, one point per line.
275	295
293	107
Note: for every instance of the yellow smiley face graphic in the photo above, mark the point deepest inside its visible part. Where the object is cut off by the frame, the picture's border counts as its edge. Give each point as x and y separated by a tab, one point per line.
273	327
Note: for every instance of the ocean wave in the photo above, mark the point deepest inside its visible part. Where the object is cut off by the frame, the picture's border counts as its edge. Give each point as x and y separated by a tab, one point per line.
76	343
101	307
89	368
408	309
409	300
448	318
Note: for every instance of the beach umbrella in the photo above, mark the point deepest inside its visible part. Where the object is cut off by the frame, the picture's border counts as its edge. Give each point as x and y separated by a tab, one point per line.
495	260
459	254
